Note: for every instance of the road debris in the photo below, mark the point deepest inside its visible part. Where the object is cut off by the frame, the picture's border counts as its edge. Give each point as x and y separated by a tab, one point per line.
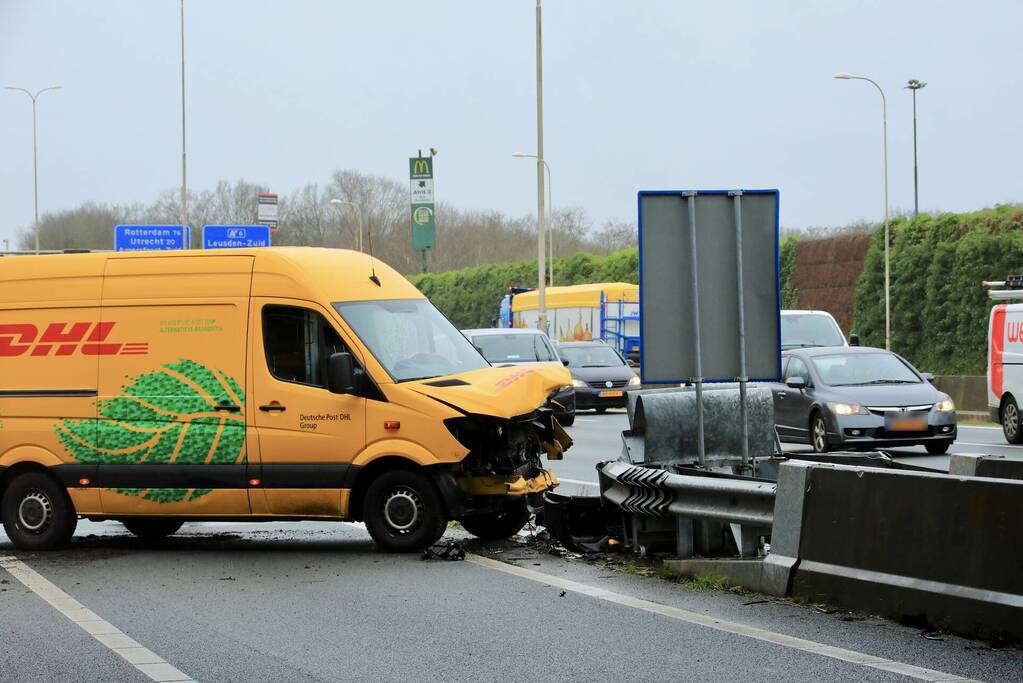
444	549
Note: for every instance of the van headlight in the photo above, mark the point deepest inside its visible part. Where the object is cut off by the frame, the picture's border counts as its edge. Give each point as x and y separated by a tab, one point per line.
946	406
848	409
634	382
578	384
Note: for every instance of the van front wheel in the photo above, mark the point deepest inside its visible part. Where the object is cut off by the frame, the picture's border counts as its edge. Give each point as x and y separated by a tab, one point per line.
1010	421
38	513
494	526
403	511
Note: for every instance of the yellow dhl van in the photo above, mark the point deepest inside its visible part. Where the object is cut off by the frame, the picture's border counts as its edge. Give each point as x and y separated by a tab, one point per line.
262	384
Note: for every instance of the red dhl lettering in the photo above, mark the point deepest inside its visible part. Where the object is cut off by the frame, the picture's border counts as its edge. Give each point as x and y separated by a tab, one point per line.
65	339
514	377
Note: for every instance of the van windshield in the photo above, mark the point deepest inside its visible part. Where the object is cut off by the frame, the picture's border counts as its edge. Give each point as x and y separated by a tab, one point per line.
410	338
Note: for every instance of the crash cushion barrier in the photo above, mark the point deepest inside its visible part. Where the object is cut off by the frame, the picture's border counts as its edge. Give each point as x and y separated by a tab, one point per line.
930	550
693	495
968	391
978	465
663	423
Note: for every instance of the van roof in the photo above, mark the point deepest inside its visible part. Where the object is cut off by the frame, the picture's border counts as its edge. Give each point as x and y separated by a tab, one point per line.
332	274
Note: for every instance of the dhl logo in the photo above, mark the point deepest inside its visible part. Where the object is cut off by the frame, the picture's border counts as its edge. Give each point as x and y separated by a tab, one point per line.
65	339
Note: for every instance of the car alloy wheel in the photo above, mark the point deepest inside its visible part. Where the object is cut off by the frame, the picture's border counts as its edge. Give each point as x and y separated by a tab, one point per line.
819	434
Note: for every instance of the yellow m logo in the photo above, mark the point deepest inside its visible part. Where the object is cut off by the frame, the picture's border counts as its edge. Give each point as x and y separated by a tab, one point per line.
421	166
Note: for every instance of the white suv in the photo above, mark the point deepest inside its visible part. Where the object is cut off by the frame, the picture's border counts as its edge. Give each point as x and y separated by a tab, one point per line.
803	329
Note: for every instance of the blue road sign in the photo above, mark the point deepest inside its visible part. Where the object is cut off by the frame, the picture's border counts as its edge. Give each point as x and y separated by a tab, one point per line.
235	236
151	237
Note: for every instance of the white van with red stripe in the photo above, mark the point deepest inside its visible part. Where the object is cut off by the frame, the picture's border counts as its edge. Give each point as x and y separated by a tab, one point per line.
1005	368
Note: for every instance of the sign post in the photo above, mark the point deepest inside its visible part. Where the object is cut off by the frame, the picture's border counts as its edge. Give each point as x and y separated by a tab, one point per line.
235	236
151	237
424	226
267	213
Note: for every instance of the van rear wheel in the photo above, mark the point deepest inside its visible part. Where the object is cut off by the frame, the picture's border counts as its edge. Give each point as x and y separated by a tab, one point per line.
37	512
404	512
152	529
493	526
1010	421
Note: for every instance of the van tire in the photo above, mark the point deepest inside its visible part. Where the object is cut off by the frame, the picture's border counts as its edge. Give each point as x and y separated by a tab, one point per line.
494	526
37	512
1010	418
152	528
567	420
404	512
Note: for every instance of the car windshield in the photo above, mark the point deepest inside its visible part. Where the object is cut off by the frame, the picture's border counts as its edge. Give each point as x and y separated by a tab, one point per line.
864	368
804	330
411	338
514	348
596	356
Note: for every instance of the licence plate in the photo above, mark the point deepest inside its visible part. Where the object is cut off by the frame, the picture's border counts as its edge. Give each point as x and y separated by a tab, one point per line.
906	425
611	394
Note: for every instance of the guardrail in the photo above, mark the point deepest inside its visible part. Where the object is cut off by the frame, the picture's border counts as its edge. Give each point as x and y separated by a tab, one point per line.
659	493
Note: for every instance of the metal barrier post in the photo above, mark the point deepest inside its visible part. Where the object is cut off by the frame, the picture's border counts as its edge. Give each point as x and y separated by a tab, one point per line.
736	196
694	276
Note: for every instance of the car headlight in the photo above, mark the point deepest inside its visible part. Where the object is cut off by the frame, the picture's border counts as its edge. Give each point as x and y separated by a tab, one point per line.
946	406
848	409
634	382
578	383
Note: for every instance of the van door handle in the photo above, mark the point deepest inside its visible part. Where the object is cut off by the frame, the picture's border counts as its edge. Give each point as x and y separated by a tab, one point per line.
271	407
227	408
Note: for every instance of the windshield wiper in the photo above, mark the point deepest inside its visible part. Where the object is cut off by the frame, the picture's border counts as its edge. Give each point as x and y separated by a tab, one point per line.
890	381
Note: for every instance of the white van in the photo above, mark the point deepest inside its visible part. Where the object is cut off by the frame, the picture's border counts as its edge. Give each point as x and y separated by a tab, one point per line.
1005	368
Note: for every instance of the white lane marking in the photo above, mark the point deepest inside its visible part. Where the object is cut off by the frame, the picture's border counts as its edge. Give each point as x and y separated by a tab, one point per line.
851	656
143	659
962	427
986	445
580	482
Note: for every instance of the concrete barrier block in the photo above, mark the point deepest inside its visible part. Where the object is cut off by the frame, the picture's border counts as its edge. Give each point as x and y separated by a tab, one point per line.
981	465
932	550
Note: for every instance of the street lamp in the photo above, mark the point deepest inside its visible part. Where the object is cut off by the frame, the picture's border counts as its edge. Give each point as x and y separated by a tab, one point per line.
35	161
887	258
541	290
915	85
358	214
550	211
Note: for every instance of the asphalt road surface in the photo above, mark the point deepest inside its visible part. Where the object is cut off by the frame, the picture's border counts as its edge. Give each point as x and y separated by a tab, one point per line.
598	438
317	602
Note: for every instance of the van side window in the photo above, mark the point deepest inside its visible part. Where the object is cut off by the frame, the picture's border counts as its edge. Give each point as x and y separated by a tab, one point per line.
298	342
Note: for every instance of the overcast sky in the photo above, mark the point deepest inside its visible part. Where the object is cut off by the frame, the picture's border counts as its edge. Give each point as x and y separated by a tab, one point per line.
637	95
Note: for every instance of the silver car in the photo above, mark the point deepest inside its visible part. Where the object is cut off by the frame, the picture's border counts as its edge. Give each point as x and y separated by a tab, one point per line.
853	397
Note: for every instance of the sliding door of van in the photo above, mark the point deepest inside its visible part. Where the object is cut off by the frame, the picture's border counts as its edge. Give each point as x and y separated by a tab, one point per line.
308	435
171	412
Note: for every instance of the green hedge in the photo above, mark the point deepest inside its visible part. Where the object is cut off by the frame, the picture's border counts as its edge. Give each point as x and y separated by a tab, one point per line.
472	297
939	309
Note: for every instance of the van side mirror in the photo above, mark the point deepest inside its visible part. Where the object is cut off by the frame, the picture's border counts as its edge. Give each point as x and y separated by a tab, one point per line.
564	361
631	363
341	373
854	339
929	376
795	383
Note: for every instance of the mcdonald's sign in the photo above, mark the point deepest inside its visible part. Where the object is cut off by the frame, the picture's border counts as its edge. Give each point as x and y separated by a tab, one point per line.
424	228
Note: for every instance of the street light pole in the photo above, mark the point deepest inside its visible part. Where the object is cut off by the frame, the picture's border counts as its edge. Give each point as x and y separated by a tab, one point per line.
184	164
542	304
887	237
550	212
35	156
358	215
915	85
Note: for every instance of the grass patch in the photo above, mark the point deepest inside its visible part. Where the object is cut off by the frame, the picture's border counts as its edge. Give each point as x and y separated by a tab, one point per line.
700	582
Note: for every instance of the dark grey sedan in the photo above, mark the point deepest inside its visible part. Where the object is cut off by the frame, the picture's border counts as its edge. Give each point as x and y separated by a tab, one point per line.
601	377
851	397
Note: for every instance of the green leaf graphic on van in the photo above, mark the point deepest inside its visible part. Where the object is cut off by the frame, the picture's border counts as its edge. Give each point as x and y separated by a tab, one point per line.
167	416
